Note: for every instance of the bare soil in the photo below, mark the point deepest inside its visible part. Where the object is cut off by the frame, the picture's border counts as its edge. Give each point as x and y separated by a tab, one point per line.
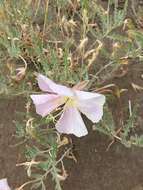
9	156
97	169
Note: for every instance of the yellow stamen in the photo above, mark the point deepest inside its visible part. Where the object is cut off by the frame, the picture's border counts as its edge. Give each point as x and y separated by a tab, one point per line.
70	102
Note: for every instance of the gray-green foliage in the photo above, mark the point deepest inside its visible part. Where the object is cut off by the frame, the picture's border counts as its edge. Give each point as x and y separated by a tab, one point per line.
109	21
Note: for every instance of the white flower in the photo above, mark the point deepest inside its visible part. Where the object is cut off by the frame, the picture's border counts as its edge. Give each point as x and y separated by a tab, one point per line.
4	184
90	104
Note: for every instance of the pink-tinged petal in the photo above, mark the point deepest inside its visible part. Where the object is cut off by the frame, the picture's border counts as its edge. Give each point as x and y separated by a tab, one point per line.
47	85
43	98
83	95
4	184
46	103
92	108
44	83
71	123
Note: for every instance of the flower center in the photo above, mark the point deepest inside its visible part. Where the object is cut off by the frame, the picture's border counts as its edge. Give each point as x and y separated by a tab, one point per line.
70	102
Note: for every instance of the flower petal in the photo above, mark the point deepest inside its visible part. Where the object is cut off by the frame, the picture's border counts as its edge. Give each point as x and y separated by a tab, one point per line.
42	98
71	123
92	108
46	103
47	85
83	95
4	184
